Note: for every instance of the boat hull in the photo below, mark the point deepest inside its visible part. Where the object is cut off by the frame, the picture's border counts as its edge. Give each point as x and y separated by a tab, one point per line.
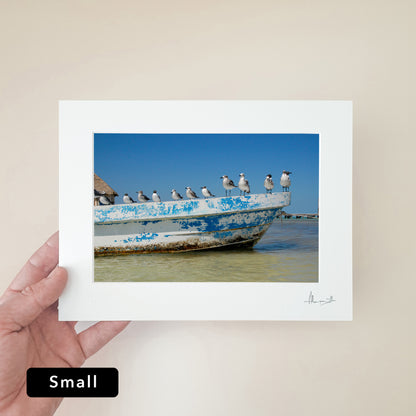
177	226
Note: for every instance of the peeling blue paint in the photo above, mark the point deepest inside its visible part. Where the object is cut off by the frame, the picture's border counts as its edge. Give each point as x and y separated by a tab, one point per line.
140	238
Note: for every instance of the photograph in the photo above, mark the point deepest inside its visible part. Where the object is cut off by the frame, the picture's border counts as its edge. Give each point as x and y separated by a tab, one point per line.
206	207
212	210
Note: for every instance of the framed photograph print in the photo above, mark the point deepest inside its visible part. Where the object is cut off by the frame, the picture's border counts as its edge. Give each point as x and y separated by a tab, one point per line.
206	210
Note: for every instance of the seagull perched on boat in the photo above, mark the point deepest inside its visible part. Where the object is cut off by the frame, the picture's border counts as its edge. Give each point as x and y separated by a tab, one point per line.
104	200
175	195
268	184
228	184
190	193
141	197
127	199
156	197
285	180
243	184
206	192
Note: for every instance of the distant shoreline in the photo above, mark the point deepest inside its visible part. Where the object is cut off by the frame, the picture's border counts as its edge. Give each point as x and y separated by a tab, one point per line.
287	215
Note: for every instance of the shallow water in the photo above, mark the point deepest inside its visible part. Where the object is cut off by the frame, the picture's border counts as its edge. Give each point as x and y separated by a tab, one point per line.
288	252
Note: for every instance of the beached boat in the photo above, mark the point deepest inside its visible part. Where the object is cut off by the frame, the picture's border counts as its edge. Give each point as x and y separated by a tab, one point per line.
185	225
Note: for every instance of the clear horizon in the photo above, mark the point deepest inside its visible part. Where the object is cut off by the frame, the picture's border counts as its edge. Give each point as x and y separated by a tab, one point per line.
134	162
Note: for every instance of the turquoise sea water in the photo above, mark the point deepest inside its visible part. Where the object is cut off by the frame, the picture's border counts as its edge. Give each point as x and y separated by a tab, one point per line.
288	252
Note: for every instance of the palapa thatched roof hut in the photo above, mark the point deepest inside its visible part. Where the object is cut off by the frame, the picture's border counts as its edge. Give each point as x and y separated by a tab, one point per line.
101	188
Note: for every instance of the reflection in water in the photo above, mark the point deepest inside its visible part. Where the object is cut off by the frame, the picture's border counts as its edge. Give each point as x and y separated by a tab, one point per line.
288	252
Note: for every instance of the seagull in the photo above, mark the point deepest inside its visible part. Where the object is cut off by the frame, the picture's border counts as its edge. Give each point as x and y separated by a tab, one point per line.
104	200
176	195
243	184
228	184
285	180
127	199
206	192
268	183
141	197
190	193
156	197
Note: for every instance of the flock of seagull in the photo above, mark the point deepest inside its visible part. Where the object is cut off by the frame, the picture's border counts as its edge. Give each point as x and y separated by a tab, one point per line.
227	183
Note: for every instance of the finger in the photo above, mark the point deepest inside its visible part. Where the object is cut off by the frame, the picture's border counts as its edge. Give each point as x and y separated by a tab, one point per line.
38	266
96	336
25	306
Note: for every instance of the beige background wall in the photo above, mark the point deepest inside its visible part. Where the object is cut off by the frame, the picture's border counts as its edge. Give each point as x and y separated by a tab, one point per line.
358	50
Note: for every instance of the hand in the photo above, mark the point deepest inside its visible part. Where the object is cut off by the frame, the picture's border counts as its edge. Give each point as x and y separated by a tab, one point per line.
32	336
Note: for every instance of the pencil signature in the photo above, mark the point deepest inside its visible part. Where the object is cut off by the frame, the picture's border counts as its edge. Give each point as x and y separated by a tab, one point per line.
311	299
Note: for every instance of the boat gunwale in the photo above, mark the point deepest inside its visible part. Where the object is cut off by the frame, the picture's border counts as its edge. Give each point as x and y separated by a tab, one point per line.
184	201
162	218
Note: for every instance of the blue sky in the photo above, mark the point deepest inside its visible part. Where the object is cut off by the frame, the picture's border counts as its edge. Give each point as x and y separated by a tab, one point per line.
134	162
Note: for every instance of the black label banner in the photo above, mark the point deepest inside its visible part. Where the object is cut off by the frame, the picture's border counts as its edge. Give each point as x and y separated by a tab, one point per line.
72	382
